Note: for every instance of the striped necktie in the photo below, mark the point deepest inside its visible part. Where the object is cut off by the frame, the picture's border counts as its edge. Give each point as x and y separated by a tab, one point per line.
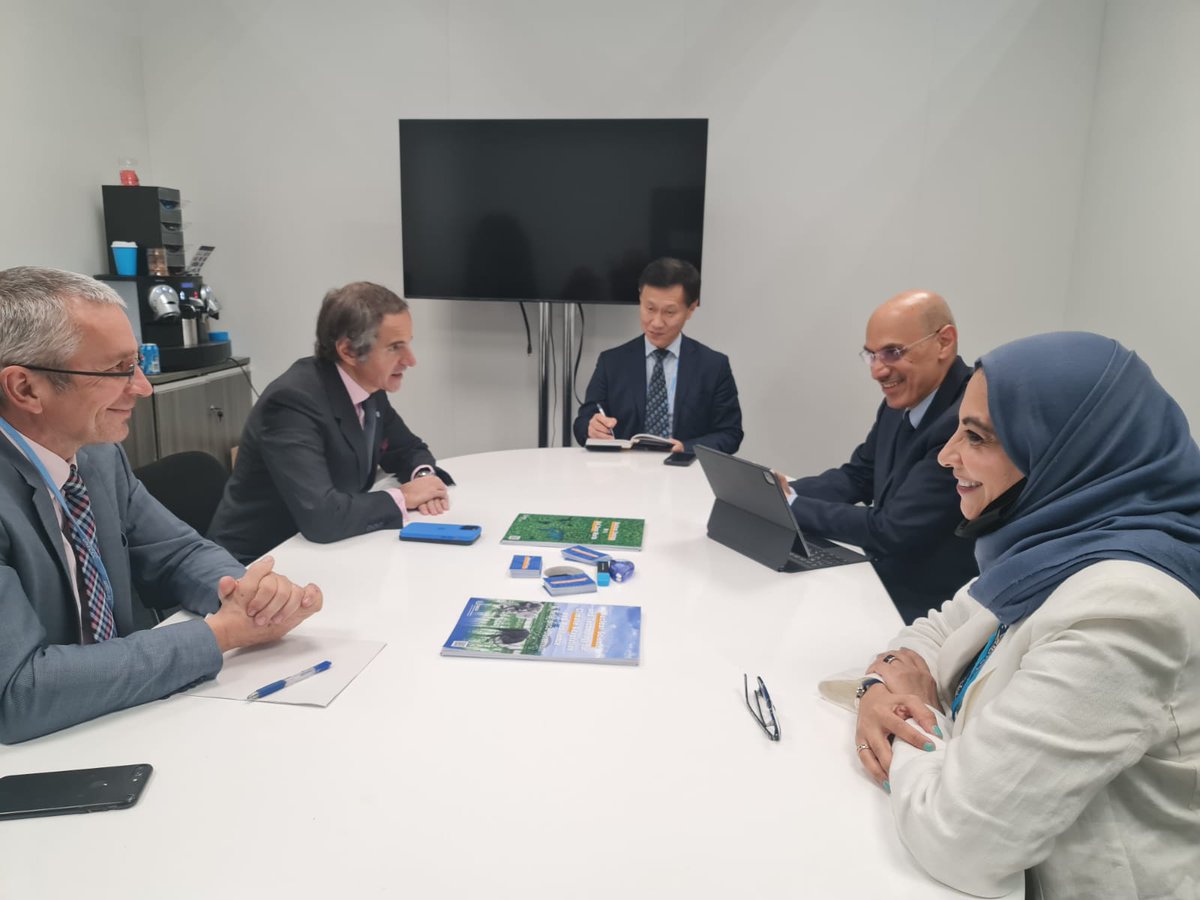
94	588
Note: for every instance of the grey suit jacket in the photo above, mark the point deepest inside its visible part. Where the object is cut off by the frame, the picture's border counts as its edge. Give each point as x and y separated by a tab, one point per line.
302	465
48	679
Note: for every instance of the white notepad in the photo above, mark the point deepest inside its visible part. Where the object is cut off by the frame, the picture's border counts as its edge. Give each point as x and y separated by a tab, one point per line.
250	668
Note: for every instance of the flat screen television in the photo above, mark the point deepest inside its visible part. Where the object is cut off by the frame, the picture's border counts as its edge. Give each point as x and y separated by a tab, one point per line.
567	210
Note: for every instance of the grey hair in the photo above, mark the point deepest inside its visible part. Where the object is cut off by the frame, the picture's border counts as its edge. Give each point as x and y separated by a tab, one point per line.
354	312
37	327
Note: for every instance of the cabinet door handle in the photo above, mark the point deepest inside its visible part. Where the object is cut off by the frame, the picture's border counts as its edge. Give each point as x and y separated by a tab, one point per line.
220	412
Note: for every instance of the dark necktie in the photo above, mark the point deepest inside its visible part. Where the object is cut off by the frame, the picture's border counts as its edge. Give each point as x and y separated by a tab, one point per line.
904	436
369	434
93	588
658	419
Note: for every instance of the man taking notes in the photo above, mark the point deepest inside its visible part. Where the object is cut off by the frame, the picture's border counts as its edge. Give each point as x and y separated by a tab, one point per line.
78	531
310	449
909	506
664	383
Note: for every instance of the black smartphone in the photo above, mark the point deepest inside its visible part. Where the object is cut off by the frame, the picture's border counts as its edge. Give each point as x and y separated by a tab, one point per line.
682	458
72	791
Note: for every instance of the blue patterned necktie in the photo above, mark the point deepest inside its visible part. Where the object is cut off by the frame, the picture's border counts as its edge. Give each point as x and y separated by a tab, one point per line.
658	419
94	589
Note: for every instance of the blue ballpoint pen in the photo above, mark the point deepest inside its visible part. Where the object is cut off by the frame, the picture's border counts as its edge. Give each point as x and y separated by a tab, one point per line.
290	680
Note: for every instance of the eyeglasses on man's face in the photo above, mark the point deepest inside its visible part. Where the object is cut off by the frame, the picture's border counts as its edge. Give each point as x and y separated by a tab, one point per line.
766	719
126	372
889	356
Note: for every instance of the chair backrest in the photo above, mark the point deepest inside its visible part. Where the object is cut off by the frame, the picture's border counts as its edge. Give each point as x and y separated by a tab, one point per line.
189	484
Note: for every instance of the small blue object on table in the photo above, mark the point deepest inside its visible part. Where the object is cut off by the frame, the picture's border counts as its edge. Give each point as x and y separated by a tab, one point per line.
525	566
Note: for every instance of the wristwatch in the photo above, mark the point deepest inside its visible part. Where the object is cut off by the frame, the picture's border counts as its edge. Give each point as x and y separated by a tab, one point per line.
867	683
422	471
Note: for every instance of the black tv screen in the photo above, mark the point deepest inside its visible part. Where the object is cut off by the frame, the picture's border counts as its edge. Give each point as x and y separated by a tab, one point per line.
547	209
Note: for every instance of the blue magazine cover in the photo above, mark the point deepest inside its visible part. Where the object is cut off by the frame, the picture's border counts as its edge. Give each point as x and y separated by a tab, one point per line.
570	632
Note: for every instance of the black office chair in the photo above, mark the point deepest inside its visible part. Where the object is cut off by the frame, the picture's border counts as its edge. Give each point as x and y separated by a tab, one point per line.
190	485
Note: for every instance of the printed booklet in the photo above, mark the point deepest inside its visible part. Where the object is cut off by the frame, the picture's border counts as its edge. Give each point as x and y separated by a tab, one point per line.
568	632
592	531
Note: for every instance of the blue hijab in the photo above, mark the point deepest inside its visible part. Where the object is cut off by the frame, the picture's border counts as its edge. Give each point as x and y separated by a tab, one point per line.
1112	470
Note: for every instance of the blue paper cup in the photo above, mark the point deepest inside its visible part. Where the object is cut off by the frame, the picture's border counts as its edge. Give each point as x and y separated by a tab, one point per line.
125	259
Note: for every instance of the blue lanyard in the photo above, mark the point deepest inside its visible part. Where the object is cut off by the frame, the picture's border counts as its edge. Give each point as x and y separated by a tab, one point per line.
77	530
979	661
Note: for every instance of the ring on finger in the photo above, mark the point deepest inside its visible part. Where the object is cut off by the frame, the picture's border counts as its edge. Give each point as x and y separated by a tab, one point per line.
859	748
891	657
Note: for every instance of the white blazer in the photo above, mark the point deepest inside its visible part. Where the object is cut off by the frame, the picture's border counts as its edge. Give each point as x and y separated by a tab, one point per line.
1076	753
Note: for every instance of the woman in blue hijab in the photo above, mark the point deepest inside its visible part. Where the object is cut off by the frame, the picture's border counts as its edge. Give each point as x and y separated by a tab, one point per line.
1065	679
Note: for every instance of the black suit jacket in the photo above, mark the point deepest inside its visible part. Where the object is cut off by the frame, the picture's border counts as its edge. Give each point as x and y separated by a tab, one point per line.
301	465
706	399
907	525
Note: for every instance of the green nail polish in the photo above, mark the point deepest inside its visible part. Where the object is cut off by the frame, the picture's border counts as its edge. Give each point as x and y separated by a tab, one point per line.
887	786
938	731
928	747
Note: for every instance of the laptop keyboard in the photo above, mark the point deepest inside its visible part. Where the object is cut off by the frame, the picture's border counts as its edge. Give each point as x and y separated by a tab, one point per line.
817	559
822	554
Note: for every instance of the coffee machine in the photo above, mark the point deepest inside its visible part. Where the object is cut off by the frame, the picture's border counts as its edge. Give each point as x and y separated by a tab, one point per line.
172	309
175	312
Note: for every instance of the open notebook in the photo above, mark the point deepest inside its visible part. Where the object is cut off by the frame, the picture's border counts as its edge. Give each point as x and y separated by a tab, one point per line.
637	442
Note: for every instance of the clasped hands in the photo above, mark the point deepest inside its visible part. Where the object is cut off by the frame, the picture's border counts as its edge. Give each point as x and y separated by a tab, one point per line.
260	607
884	710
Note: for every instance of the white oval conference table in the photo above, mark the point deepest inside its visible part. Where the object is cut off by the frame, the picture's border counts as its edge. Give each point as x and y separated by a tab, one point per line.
437	777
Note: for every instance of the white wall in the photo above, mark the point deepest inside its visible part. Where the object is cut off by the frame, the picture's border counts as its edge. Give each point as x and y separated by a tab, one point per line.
1137	267
71	105
856	149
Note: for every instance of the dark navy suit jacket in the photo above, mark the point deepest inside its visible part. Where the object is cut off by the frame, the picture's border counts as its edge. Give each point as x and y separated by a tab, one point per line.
706	400
302	465
907	525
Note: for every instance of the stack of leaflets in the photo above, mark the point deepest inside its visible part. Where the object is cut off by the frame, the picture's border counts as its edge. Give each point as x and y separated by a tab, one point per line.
570	632
525	566
561	585
594	531
582	554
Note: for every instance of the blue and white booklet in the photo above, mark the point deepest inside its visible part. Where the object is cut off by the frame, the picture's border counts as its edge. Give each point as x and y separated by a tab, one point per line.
532	629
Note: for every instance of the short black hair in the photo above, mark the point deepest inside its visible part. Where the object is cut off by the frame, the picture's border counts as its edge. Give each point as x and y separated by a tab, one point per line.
667	272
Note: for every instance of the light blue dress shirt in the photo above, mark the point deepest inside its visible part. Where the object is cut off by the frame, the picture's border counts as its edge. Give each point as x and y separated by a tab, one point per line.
917	413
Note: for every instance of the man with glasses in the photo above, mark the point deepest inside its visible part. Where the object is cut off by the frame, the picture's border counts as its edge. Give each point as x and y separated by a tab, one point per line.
892	498
78	531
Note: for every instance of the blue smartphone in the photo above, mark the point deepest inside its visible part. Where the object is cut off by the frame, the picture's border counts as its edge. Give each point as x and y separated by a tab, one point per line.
440	533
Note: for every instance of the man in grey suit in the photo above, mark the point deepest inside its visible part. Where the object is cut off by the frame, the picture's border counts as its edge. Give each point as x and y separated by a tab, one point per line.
78	531
315	439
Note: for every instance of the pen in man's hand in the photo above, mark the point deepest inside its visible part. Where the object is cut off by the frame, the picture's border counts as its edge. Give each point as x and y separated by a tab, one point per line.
603	413
290	680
